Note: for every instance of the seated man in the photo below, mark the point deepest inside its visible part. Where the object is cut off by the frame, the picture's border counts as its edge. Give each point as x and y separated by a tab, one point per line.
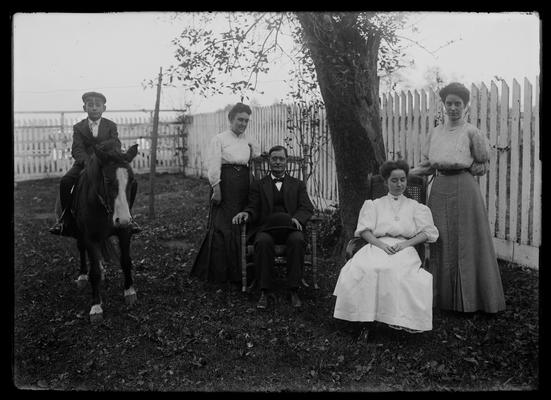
87	133
278	207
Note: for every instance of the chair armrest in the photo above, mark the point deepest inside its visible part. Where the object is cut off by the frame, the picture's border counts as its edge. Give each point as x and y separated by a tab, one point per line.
314	221
353	246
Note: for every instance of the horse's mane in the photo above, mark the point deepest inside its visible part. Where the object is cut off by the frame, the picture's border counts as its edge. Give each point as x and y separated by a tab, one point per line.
93	173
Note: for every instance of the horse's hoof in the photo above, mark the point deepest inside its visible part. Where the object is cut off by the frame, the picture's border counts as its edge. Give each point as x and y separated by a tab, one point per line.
130	296
96	314
82	281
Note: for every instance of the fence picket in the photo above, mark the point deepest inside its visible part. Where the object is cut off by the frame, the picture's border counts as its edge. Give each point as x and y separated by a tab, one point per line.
396	123
409	132
391	132
514	179
384	120
416	127
402	119
424	121
492	175
536	197
503	155
483	181
526	161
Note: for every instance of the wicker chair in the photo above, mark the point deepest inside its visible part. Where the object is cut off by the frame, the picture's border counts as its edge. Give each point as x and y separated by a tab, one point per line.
296	167
416	189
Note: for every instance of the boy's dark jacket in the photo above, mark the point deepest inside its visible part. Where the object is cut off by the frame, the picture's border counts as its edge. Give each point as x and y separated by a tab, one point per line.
84	140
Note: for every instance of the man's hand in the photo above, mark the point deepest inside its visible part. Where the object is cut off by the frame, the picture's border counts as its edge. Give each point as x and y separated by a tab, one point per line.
216	195
296	223
241	217
478	169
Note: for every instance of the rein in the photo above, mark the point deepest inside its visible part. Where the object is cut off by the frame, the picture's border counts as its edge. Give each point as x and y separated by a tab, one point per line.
104	203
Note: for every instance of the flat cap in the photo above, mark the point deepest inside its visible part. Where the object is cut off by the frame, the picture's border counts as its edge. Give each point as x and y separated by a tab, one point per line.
93	94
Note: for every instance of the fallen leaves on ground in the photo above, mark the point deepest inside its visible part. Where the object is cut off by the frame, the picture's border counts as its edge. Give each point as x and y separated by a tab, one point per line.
185	335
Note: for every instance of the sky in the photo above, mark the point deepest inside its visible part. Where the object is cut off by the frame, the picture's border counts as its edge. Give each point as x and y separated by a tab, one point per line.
59	56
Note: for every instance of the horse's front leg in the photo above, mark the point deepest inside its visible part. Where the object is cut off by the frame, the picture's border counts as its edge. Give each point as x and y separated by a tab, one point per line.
95	275
82	279
130	295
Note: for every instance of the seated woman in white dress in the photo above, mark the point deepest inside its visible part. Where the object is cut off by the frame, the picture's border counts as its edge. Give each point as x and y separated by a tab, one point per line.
384	280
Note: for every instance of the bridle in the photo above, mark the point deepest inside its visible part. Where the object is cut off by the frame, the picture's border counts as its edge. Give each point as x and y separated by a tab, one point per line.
101	198
104	199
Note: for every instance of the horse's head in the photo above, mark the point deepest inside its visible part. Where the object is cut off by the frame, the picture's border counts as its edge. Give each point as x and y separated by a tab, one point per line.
115	181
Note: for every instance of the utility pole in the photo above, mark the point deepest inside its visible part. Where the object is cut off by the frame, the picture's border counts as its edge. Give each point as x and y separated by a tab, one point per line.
153	155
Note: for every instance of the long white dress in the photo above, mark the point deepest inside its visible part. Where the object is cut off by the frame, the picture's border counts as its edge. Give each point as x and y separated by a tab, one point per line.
376	286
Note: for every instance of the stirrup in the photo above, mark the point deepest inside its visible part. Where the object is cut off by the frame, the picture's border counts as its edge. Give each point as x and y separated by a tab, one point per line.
134	227
57	229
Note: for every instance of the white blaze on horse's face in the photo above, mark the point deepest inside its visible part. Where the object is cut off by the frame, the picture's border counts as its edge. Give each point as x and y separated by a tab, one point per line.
121	211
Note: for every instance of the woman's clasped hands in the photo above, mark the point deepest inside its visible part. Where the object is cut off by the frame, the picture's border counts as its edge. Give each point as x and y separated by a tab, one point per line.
393	249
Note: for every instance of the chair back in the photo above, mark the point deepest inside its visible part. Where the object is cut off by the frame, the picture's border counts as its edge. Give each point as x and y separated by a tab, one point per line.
416	188
296	167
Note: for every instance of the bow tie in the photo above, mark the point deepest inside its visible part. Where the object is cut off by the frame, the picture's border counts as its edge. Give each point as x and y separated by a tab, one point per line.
277	180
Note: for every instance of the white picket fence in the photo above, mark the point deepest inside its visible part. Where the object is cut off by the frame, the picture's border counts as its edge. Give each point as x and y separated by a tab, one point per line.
42	148
512	189
509	118
269	127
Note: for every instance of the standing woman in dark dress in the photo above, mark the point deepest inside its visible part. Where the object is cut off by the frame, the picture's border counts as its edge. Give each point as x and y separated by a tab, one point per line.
463	262
228	174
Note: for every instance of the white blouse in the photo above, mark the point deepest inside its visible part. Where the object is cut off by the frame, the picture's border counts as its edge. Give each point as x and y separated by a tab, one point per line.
454	148
228	148
402	217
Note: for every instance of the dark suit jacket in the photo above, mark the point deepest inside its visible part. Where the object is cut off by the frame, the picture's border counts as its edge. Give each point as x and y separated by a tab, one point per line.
84	140
261	202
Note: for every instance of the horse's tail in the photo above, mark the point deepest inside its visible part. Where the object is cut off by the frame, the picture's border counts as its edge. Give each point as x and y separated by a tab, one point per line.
110	252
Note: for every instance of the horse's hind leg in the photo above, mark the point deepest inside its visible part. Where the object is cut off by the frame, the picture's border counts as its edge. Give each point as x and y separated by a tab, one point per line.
96	312
82	279
130	295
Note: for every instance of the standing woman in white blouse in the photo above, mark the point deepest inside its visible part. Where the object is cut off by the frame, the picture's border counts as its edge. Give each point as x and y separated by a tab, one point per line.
228	174
463	262
384	280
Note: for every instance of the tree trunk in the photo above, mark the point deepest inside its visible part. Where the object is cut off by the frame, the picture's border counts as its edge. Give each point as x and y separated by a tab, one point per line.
346	68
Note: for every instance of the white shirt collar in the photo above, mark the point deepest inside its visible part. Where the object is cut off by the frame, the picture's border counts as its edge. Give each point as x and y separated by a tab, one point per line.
90	122
274	177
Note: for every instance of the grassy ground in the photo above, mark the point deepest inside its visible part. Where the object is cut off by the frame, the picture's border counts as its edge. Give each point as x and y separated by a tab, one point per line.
183	335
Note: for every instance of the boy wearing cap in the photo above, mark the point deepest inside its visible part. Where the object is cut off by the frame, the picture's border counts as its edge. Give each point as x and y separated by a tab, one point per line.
86	133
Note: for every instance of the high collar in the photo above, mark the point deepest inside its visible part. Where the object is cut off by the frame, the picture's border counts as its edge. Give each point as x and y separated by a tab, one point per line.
395	198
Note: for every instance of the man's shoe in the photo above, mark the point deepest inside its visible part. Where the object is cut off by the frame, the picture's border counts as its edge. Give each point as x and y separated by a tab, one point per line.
295	300
134	227
263	301
57	229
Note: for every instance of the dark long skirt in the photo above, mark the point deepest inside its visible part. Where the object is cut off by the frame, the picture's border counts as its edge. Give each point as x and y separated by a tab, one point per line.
463	262
218	257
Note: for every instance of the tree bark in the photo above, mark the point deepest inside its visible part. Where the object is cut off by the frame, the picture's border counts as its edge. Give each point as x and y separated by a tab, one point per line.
346	67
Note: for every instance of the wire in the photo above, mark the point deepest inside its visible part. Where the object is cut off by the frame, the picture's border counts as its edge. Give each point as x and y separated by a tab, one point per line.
75	90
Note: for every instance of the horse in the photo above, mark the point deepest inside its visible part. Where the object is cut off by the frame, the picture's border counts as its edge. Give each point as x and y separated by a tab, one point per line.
101	203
